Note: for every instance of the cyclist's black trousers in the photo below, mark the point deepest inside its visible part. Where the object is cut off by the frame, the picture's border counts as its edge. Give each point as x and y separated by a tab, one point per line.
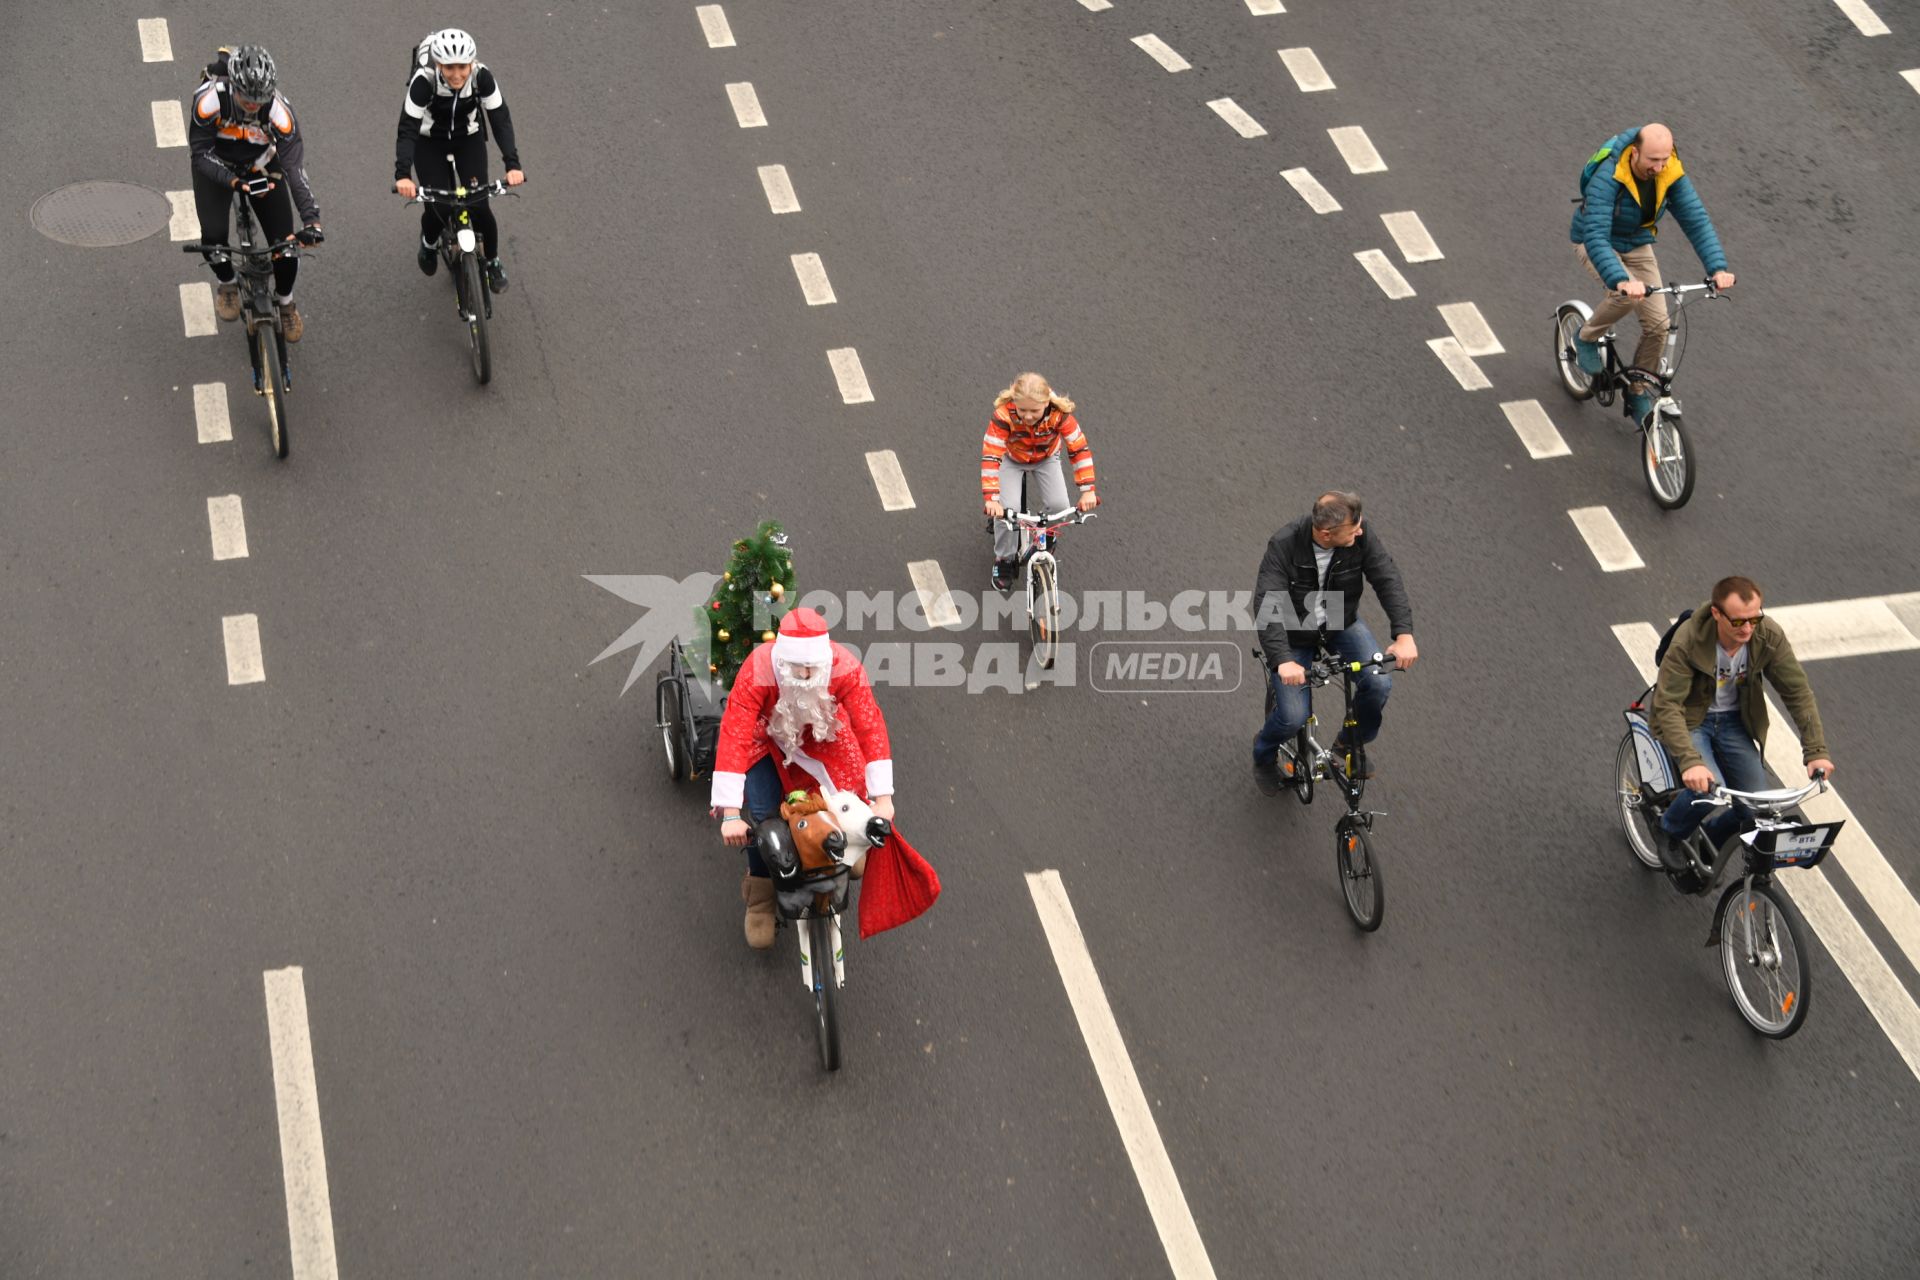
273	213
430	165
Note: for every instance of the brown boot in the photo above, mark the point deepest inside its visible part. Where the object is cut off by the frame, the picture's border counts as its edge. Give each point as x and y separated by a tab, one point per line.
226	302
291	325
757	893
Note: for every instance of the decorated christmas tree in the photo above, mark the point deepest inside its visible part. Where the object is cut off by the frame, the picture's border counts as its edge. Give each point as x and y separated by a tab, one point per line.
748	602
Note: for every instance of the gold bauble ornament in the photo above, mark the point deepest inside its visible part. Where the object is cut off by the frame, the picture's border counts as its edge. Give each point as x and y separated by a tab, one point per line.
725	635
713	668
776	591
766	636
728	575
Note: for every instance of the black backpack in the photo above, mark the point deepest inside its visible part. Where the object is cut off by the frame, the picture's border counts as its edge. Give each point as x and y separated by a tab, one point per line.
1666	640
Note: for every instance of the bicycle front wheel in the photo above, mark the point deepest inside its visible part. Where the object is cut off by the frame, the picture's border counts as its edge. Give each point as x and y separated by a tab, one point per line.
1763	951
273	386
1630	799
826	991
473	305
1668	461
1574	380
1043	620
1360	877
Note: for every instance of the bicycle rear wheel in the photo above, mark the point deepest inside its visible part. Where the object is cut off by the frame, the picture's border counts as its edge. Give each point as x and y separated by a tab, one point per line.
1763	952
272	386
1360	877
826	991
1668	460
670	709
1043	622
1630	798
1296	767
1574	380
473	306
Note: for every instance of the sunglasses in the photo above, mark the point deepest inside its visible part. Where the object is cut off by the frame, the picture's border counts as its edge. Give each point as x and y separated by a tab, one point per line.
1739	624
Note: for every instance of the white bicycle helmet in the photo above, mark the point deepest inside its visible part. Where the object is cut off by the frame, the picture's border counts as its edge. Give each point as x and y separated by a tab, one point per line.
451	45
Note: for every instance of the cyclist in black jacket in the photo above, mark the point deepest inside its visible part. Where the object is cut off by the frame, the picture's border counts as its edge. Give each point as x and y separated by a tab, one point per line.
450	102
242	131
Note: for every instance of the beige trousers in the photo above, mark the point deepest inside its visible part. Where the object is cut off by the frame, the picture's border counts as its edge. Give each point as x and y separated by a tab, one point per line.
1653	311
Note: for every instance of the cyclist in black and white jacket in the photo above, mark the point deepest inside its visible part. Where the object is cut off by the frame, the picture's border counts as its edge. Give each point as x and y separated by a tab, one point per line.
451	100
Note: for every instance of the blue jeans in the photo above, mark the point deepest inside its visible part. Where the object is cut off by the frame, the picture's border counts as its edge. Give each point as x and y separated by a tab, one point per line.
762	802
1727	748
1292	704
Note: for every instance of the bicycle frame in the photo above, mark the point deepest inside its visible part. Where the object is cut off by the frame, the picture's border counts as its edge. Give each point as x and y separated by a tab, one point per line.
1616	375
1037	534
1325	762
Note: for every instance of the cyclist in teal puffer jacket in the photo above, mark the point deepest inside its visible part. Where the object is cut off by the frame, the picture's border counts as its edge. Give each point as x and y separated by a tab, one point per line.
1634	179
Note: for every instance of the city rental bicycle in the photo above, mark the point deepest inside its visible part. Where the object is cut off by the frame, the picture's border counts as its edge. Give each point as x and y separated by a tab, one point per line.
1666	456
1038	534
266	340
472	295
1303	760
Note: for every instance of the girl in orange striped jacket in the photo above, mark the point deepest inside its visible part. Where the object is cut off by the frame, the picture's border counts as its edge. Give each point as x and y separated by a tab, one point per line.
1017	462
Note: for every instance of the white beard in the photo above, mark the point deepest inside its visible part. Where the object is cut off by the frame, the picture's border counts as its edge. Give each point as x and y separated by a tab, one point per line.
801	707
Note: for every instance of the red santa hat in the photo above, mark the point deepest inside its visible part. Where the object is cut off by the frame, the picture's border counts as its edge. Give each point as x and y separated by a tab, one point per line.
802	641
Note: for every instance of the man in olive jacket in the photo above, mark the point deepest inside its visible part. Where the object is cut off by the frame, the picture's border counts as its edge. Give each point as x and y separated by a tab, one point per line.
1710	710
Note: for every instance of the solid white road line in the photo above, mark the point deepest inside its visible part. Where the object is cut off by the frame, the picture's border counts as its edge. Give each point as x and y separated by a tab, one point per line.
851	377
935	600
813	279
1243	124
1179	1236
1913	78
303	1156
1096	6
713	25
1850	628
890	480
779	189
241	632
746	105
1157	49
1606	539
196	309
1356	148
210	412
1459	364
1318	198
155	46
1384	273
184	222
1410	234
228	526
1304	64
1468	325
1260	8
1530	422
1880	990
1863	17
169	124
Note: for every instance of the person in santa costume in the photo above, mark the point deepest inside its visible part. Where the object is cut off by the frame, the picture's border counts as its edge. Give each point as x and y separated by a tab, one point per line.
800	717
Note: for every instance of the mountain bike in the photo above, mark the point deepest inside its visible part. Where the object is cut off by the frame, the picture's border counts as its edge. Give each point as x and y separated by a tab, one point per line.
1303	760
472	295
266	340
1666	457
1041	570
1759	932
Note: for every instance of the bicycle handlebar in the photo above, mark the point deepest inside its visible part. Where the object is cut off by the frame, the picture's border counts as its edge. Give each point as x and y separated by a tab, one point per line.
219	252
461	197
1677	289
1769	802
1052	519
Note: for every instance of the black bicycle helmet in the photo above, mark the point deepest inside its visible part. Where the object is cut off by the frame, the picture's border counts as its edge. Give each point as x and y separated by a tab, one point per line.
251	74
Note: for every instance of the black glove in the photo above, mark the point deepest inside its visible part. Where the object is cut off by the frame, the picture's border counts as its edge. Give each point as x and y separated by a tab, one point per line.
311	234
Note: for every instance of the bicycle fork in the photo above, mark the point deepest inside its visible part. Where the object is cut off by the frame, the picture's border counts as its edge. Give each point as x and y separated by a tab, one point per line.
805	935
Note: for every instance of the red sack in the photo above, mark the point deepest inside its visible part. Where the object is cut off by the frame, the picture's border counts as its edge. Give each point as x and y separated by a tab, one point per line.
897	886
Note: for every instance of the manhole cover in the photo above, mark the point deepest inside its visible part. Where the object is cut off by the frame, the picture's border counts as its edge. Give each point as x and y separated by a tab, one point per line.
97	214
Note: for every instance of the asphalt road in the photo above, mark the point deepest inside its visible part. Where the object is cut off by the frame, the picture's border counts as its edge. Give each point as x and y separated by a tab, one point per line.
539	1046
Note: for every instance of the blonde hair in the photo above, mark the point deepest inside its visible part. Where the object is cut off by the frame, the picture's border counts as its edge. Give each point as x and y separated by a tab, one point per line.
1031	386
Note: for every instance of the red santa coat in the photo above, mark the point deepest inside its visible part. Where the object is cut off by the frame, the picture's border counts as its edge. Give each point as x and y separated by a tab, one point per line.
858	759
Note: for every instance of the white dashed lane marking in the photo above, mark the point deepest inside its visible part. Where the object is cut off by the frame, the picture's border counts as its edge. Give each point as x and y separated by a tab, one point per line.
1410	234
169	124
1243	124
155	44
851	377
935	599
1459	364
779	188
1471	328
1851	628
184	222
1861	14
813	279
713	25
228	527
746	105
241	632
210	413
1096	6
1157	49
890	480
1356	148
1318	198
1304	65
1913	78
1384	273
1606	539
196	309
1530	422
303	1155
1260	8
